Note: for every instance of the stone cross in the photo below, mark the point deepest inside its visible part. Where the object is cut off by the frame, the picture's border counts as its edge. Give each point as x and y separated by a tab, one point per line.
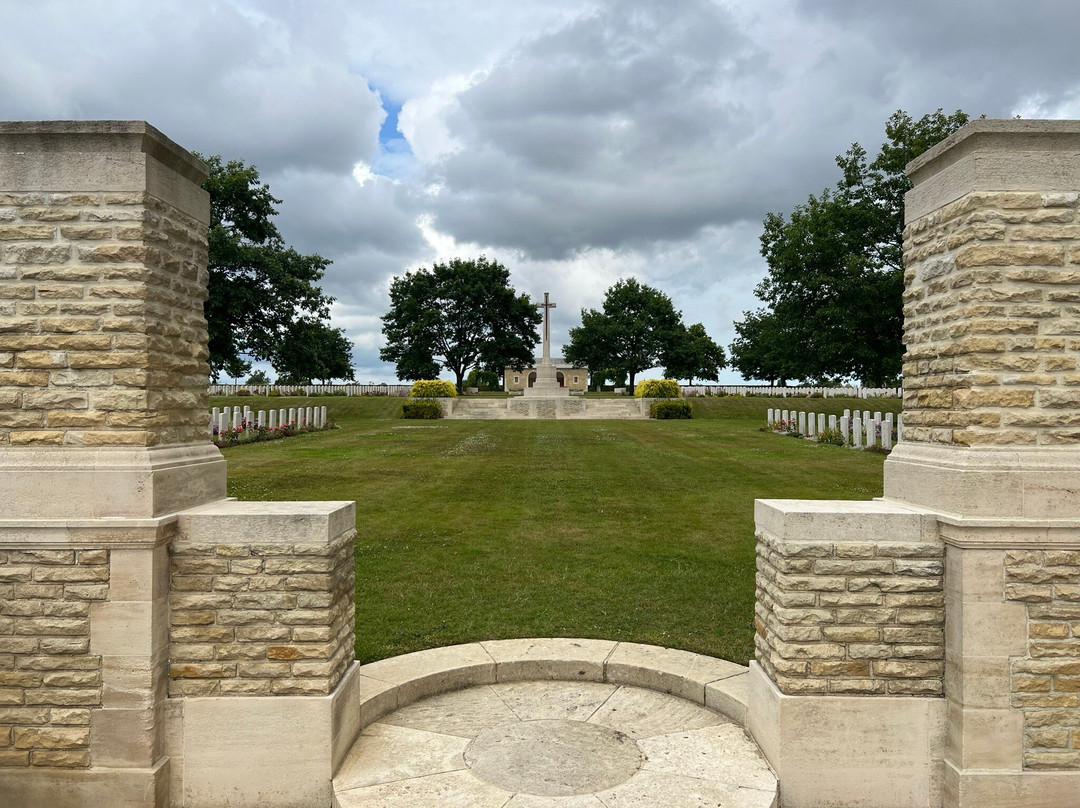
546	306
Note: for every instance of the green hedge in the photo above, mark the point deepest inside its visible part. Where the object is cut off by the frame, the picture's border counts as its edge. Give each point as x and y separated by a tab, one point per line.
668	408
433	388
657	388
423	408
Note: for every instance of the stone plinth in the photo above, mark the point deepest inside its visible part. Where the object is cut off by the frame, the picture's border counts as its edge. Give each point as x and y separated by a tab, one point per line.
990	464
126	577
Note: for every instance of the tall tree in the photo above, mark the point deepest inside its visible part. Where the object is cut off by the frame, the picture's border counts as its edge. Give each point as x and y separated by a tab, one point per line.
258	286
835	265
312	350
459	315
637	328
694	355
762	350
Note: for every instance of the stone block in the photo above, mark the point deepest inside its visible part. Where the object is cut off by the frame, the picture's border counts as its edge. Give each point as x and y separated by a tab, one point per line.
564	659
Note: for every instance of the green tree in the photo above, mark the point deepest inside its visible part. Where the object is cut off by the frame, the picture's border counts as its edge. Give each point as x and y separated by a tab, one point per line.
313	351
761	349
835	265
235	367
258	377
637	328
482	379
458	315
694	355
258	286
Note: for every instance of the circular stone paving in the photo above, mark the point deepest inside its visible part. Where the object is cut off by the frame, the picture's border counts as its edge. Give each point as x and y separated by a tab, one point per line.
552	744
553	757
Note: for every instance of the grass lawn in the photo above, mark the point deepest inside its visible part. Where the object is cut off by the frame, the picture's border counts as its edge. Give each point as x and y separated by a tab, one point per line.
625	530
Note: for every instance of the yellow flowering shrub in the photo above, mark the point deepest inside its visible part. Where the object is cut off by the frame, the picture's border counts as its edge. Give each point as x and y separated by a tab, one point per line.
657	388
433	388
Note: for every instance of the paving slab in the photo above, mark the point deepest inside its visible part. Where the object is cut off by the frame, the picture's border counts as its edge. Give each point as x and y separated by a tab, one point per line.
642	713
553	758
386	753
553	744
451	790
571	701
659	790
703	753
465	713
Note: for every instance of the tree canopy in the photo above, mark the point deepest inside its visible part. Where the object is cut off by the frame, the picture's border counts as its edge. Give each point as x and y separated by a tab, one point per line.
313	351
835	281
694	355
458	315
638	328
259	288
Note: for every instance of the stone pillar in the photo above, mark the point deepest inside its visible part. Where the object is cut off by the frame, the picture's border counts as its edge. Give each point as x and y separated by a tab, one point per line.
992	445
105	467
922	650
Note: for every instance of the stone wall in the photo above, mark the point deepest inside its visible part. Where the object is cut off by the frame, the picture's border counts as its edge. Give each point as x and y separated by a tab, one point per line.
49	679
103	341
1045	683
850	617
992	321
261	619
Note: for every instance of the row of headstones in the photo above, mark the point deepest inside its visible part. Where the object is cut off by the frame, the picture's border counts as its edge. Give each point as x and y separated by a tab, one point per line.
859	430
785	392
234	418
308	389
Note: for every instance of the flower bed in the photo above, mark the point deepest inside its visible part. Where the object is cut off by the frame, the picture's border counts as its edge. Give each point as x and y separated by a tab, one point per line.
250	432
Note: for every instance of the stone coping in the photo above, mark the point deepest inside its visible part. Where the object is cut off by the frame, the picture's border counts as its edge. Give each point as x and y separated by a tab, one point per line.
107	135
389	684
986	127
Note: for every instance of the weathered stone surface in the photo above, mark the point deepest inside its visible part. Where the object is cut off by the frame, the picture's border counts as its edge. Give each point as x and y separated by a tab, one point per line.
48	676
1045	682
289	634
845	637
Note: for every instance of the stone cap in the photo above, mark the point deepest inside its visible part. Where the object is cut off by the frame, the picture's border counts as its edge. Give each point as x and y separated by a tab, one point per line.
844	520
231	522
995	155
51	136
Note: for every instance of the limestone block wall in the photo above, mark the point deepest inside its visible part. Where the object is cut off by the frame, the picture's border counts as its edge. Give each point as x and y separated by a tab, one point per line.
992	321
850	617
1045	682
49	679
261	618
102	335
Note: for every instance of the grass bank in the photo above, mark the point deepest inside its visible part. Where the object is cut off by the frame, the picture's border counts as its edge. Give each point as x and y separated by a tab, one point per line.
626	530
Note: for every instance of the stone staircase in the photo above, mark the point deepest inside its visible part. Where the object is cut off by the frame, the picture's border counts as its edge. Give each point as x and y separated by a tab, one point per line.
574	407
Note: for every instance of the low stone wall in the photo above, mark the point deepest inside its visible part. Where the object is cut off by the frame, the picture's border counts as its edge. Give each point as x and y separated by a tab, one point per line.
49	680
851	617
258	617
1045	683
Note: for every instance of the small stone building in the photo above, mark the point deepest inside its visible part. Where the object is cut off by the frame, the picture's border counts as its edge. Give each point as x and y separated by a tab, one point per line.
576	378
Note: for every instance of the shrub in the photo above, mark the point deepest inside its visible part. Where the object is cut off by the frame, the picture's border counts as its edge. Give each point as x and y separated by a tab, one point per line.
424	408
657	388
243	391
667	408
832	436
274	394
433	388
339	393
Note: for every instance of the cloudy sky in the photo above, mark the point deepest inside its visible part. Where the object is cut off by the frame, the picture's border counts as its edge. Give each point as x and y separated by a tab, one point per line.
575	142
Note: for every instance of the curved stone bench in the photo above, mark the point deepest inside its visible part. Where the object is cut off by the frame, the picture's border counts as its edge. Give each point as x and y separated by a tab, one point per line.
372	691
